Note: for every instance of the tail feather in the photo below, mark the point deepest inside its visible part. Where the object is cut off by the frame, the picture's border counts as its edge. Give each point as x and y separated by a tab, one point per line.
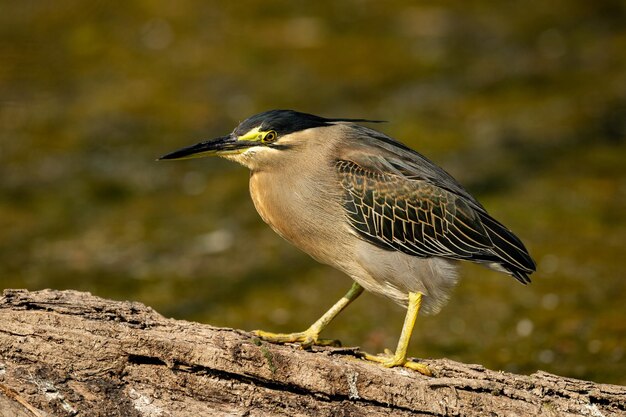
510	252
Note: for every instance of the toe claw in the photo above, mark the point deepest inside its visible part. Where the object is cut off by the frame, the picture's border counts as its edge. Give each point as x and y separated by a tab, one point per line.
391	361
419	367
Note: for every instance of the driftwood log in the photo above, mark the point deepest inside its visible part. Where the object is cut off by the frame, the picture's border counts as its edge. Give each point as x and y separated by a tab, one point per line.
68	353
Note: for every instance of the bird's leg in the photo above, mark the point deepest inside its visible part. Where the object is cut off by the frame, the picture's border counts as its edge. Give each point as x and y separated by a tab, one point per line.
399	358
311	335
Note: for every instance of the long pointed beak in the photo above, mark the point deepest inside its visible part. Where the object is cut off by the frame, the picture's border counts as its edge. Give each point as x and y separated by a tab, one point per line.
220	146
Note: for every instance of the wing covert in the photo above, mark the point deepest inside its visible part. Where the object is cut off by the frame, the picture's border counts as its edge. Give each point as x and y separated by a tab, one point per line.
412	216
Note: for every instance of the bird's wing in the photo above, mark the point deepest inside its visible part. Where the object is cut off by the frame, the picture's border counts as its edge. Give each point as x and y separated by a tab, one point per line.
378	151
418	216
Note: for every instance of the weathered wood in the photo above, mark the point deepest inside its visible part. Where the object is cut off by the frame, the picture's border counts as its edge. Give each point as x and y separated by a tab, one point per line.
66	353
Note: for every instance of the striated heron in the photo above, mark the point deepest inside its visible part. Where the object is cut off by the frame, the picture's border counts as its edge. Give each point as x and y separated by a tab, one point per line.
364	203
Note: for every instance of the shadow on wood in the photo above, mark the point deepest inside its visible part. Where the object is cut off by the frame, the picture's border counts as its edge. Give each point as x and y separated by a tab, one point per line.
65	353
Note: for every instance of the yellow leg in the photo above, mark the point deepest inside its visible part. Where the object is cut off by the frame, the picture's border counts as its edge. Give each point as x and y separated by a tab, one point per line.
399	358
311	335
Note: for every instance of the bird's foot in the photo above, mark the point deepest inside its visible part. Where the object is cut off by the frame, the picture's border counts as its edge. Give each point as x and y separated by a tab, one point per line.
390	360
306	338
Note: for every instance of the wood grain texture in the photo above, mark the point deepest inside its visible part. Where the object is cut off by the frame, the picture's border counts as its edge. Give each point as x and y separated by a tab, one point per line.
66	353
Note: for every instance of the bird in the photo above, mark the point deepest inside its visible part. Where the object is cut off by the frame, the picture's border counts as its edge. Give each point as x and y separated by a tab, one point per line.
366	204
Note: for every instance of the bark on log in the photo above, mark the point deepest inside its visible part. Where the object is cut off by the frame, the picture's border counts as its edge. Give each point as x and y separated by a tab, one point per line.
67	353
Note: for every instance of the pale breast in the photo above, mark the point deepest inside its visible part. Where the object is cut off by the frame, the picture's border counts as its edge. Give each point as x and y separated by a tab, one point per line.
302	211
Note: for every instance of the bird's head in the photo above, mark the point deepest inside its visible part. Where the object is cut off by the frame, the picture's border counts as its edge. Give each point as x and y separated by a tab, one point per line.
268	135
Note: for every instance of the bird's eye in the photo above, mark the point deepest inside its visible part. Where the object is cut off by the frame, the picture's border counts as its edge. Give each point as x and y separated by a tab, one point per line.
269	137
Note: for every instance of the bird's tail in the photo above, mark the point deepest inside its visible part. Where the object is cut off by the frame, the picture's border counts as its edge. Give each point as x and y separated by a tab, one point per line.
510	253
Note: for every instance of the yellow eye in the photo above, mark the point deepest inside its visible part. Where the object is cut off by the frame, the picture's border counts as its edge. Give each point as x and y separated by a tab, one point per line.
269	137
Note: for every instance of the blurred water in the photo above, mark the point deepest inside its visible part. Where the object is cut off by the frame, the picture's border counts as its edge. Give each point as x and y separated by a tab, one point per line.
524	105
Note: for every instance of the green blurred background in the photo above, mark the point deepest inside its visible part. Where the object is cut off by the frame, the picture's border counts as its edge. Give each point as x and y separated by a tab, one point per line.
524	104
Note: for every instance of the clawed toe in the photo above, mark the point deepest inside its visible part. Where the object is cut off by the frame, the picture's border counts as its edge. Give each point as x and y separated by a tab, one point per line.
389	360
306	339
